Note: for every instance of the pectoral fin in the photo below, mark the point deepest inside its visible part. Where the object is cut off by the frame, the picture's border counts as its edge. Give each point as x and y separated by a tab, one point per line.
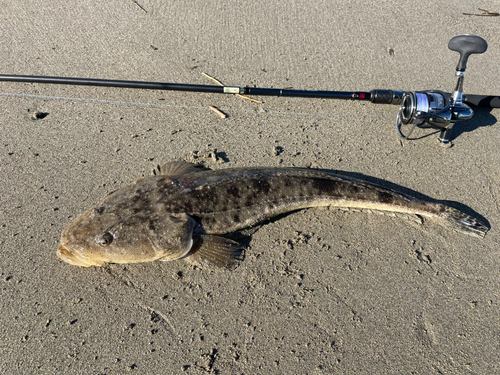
172	235
214	251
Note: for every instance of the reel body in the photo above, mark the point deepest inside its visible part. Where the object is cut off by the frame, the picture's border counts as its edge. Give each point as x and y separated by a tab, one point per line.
431	108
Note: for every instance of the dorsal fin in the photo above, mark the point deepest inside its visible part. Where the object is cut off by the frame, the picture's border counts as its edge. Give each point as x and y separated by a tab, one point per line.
177	168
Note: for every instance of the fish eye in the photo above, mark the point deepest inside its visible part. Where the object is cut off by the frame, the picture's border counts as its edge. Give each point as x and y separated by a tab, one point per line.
104	239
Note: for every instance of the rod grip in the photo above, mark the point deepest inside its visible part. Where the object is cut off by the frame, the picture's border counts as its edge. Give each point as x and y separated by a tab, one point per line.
386	96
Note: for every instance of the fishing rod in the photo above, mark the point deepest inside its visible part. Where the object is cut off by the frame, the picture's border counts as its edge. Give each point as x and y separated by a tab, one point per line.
434	108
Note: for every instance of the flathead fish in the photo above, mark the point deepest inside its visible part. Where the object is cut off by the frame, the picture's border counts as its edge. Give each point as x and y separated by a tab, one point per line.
185	211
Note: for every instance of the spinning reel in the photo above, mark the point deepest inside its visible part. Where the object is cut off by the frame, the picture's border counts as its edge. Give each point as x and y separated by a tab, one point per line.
437	108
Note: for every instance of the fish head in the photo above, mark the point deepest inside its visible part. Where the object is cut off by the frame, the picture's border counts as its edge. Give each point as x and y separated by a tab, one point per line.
96	237
85	240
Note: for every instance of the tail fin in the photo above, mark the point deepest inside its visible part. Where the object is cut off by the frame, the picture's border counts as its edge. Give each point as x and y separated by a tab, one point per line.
463	223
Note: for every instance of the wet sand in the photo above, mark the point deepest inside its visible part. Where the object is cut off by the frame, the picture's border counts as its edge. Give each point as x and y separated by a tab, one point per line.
320	291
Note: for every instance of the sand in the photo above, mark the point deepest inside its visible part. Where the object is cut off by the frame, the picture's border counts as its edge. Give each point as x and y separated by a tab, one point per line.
319	291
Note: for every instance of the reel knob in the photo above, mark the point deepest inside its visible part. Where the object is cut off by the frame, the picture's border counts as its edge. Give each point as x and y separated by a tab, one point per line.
467	45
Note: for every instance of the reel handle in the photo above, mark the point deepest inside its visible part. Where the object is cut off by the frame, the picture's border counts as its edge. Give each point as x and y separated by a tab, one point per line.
467	45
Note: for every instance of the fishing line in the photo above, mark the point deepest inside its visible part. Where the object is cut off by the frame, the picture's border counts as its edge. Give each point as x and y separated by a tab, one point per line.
287	113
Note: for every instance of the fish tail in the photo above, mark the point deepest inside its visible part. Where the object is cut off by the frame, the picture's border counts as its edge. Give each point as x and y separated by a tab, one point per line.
461	222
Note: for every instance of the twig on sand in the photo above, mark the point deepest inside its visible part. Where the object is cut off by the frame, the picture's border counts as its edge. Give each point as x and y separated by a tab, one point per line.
212	79
218	111
247	98
135	2
485	13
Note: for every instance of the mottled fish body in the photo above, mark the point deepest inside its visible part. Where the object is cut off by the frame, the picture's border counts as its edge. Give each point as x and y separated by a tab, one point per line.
184	211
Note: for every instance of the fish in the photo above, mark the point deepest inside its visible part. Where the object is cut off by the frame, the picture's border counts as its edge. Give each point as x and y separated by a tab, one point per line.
185	210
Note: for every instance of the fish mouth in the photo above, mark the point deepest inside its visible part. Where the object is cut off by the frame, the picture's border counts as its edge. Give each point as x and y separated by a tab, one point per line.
68	256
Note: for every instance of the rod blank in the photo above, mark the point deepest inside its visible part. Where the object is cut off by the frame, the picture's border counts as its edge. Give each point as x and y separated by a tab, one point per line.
186	87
